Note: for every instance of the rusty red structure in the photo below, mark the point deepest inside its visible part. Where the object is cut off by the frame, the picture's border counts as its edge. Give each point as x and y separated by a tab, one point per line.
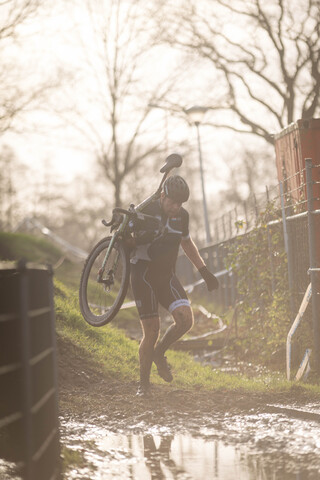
293	145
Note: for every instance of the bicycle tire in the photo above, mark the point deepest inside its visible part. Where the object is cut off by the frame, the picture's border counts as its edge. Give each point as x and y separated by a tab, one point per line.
94	297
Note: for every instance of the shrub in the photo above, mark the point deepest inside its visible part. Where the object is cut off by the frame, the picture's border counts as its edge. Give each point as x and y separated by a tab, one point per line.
259	262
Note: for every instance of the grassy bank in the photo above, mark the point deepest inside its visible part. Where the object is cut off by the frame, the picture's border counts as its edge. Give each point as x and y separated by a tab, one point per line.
38	250
113	353
117	356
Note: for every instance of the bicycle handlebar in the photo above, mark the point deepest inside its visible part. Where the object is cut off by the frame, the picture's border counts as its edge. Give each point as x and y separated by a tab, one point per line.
122	210
114	219
133	213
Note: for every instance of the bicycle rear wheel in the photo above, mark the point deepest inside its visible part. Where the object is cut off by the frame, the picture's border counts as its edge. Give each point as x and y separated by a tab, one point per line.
101	301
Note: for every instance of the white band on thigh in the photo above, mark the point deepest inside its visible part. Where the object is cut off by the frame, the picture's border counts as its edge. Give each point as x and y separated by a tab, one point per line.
178	303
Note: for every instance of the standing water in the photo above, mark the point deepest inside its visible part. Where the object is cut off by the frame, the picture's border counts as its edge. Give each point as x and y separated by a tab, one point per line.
241	447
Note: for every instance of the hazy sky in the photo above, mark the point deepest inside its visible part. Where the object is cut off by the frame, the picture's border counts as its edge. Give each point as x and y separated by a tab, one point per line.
54	40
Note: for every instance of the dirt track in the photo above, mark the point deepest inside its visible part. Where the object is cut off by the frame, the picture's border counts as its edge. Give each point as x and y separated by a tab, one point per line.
116	432
84	391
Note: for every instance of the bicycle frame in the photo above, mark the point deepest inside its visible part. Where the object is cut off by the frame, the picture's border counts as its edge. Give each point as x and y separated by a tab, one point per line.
132	211
122	228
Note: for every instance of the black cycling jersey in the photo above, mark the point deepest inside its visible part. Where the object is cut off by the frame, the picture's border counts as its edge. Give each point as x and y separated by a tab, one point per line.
153	262
162	247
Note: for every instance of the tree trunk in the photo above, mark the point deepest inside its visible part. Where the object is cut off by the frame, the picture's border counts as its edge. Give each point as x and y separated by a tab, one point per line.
117	193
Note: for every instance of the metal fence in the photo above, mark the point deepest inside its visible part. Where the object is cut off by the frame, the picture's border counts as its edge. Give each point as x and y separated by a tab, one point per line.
29	433
296	219
244	216
291	220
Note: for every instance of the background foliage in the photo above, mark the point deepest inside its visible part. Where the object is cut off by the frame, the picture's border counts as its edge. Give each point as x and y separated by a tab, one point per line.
259	261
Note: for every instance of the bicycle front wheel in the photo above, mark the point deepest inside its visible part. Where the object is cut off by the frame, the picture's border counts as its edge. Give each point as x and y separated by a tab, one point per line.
101	298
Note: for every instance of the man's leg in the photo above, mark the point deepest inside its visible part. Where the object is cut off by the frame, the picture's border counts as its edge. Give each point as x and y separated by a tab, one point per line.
150	330
183	321
147	305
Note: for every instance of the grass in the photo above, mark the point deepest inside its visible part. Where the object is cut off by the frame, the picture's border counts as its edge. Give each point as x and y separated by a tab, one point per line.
108	346
34	249
14	247
112	351
117	356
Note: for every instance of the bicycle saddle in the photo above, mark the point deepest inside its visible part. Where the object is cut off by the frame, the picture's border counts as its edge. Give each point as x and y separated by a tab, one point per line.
172	161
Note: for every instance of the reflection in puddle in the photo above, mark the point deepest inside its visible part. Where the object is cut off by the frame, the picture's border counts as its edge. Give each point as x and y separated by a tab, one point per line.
8	471
161	455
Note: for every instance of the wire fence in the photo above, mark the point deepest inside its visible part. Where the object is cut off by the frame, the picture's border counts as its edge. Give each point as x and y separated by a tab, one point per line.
287	260
243	217
288	218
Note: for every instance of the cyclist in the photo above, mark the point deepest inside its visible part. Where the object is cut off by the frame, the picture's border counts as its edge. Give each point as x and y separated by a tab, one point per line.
154	281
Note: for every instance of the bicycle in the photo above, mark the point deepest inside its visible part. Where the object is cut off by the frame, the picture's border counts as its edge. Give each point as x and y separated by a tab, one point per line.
105	275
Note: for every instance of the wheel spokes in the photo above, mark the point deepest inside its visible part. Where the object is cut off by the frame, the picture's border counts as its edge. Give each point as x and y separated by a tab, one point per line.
103	286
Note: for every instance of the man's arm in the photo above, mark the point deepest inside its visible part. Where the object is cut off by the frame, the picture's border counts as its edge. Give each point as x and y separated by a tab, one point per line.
192	252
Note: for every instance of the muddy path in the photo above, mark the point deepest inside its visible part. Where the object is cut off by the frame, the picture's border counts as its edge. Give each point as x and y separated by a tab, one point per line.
118	434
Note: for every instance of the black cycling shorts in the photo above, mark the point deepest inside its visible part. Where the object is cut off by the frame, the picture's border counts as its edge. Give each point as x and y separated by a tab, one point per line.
150	289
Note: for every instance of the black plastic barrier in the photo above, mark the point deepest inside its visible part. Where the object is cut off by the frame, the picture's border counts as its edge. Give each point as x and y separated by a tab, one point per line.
29	430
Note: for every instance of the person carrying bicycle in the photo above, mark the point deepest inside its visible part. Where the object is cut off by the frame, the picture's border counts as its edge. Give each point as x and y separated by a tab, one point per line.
154	281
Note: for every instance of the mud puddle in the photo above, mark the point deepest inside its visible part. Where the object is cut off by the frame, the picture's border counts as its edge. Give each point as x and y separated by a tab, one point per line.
242	446
8	471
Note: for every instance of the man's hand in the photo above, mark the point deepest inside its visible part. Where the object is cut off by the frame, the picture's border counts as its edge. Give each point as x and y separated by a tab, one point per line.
209	278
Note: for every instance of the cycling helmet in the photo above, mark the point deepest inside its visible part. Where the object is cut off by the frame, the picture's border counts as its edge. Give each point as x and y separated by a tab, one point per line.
176	188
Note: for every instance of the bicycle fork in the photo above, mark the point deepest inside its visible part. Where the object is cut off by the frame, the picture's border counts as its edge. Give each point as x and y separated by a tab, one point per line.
108	281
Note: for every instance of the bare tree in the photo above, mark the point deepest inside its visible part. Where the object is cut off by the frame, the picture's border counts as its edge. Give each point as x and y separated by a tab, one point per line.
14	13
265	58
118	87
7	187
246	176
21	91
